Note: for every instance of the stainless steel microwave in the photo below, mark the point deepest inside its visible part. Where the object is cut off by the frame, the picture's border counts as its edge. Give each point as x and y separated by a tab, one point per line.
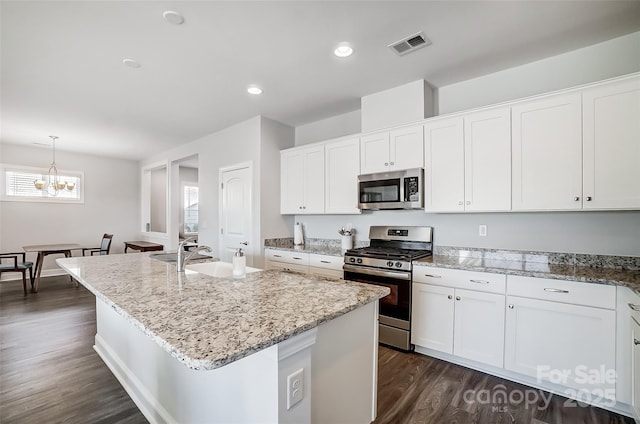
392	190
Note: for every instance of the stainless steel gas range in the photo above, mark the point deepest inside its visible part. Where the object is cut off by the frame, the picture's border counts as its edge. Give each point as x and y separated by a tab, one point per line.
388	261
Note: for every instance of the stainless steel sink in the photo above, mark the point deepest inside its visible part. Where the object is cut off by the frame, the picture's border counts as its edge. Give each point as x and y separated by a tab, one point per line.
172	257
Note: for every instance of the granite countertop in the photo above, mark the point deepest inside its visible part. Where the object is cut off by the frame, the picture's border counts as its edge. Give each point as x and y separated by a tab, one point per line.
207	322
560	271
317	246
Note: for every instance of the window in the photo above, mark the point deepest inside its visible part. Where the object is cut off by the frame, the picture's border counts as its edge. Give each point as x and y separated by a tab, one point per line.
17	185
190	205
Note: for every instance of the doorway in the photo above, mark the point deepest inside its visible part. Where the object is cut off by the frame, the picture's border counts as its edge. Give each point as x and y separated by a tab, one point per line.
236	215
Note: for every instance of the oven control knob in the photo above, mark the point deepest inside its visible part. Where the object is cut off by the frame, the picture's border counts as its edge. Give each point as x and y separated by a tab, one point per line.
352	259
390	263
398	264
359	260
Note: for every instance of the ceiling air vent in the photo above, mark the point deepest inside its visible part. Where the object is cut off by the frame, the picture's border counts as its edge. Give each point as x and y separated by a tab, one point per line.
410	43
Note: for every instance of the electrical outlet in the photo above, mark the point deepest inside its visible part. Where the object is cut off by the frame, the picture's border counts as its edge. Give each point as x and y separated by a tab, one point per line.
295	388
482	230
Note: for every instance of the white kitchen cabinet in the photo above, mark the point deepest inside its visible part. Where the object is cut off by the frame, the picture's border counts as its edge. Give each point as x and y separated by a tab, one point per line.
444	165
479	326
302	180
547	153
487	160
561	333
307	263
432	317
326	265
342	167
468	162
452	319
611	143
393	150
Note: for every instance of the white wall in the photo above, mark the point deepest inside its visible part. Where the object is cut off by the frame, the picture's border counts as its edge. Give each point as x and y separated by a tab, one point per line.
274	137
111	188
158	204
615	233
609	59
606	233
237	144
336	126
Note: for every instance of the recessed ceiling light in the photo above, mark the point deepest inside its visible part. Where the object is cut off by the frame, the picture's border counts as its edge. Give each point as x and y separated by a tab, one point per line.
131	63
173	17
252	89
343	50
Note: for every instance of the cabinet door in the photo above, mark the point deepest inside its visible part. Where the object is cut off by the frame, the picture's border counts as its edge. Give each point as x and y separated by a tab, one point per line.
291	181
611	131
406	148
444	165
432	317
549	340
313	175
547	153
635	364
374	153
479	326
342	167
487	153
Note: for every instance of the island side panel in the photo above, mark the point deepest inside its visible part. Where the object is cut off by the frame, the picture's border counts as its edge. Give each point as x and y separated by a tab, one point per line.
345	368
166	391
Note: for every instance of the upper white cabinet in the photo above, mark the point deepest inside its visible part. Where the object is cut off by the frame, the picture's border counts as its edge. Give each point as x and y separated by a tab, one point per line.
611	143
302	180
487	160
547	153
342	167
468	162
392	150
444	165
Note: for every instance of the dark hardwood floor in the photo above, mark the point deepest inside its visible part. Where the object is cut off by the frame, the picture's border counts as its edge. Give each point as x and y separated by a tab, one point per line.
49	373
414	388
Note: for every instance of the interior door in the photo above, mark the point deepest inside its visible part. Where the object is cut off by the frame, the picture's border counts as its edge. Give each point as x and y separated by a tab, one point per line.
235	215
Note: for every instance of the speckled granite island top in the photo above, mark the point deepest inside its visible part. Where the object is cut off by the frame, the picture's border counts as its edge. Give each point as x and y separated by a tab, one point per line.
207	322
612	270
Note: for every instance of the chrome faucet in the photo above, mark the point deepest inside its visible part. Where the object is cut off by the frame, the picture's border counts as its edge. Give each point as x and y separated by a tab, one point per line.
182	259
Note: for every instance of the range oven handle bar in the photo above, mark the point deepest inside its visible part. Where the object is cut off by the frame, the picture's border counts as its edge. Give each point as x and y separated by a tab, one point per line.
377	272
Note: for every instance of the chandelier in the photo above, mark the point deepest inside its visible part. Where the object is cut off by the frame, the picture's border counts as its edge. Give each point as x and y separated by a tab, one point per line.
53	185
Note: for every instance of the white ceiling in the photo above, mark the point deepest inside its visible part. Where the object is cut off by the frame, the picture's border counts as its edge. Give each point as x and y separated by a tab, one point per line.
62	70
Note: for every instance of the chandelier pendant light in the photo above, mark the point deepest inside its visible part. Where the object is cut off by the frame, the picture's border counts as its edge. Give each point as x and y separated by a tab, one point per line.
53	185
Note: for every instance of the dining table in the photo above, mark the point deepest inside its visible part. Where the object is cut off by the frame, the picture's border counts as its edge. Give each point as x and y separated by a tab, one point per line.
48	249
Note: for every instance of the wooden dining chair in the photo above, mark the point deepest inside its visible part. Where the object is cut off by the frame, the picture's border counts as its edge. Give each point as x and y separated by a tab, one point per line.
104	248
16	262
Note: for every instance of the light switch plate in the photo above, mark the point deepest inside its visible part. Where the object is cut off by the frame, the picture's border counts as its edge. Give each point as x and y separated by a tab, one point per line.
482	230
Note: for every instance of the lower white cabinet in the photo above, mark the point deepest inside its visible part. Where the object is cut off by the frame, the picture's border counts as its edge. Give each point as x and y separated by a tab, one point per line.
462	322
559	337
308	263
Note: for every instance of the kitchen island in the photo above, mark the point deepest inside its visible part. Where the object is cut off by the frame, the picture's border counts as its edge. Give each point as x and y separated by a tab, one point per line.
192	348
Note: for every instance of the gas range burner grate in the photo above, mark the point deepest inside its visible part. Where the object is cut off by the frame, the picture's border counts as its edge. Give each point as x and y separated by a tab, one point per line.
388	253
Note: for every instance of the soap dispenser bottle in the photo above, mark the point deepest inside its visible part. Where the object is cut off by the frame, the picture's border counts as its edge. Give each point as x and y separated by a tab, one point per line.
239	264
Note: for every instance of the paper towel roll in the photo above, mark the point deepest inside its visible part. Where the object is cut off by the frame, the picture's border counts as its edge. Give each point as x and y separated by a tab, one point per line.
298	237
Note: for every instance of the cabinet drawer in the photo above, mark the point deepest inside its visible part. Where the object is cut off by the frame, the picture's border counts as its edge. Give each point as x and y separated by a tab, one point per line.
287	256
284	266
326	261
588	294
326	272
460	279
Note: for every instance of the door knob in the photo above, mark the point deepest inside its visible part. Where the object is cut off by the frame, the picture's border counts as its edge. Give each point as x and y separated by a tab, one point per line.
575	199
457	297
636	342
386	164
589	198
449	297
510	306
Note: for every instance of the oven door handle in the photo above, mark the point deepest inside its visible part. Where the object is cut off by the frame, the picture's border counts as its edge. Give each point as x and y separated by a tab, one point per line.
377	272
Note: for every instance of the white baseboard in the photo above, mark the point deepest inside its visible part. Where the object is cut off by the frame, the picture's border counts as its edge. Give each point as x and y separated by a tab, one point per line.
148	405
